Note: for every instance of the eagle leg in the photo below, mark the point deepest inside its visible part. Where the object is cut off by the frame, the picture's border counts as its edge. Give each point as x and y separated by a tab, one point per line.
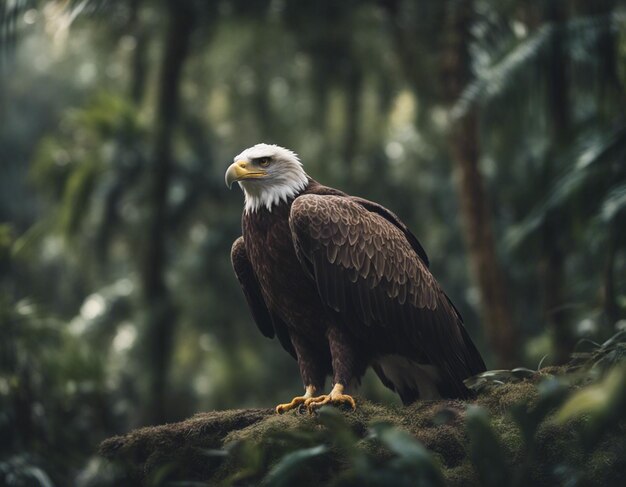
296	401
336	397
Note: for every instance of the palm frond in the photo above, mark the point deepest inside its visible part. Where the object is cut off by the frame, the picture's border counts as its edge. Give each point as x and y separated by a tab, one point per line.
78	8
599	163
614	204
496	78
515	68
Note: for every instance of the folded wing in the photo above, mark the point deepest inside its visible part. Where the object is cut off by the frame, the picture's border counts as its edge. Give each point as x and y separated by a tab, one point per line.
269	324
375	279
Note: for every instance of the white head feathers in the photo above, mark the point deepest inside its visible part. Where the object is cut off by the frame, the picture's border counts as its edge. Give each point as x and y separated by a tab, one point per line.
284	179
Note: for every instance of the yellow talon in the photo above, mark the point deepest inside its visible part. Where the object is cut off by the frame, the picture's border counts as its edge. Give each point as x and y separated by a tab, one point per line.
296	401
336	397
324	398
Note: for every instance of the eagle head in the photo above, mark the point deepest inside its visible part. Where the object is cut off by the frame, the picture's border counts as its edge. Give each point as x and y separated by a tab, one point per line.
267	174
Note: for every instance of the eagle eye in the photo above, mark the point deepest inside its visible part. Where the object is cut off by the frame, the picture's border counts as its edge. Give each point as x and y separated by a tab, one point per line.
264	161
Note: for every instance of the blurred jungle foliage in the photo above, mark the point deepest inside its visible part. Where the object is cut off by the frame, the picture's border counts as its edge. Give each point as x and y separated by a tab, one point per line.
495	129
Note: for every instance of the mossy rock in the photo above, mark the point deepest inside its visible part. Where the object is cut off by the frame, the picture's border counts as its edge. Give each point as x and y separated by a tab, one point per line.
240	447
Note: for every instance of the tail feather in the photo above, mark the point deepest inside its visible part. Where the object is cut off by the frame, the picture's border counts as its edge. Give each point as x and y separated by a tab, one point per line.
412	380
475	362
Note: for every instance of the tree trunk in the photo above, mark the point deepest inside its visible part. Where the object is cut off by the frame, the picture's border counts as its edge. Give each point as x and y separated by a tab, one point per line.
553	245
161	313
139	67
138	70
354	85
499	327
406	47
552	273
611	309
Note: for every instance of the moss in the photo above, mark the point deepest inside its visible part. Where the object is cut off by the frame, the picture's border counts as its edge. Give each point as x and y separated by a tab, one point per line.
181	447
240	446
606	465
500	398
463	475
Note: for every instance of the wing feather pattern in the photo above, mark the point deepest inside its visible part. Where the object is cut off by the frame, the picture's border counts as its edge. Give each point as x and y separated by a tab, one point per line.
373	273
269	324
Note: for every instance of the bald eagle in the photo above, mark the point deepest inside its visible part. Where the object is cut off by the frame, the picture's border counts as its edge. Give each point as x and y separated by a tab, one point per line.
344	285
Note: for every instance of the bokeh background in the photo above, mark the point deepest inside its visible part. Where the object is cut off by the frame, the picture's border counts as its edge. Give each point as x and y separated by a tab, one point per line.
495	129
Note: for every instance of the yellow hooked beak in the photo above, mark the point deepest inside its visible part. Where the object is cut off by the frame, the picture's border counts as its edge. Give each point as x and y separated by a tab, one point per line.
240	170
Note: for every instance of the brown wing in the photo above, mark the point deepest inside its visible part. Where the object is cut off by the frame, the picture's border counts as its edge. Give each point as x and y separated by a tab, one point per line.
269	324
368	272
318	189
391	217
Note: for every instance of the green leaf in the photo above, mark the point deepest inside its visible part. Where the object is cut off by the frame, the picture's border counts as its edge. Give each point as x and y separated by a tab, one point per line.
248	456
286	470
552	393
486	450
603	405
412	455
77	197
339	428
